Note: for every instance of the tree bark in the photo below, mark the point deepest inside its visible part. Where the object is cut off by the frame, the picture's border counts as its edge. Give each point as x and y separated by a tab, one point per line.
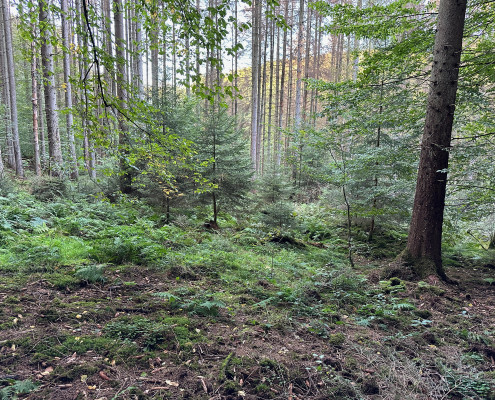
34	100
74	173
52	127
125	180
254	83
10	73
424	243
138	53
299	69
282	86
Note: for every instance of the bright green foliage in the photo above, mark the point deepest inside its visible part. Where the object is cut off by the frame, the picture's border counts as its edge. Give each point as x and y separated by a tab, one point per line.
91	274
375	120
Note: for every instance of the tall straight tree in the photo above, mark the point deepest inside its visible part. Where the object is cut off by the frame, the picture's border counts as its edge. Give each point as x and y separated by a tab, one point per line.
74	172
54	144
424	245
255	75
35	104
125	175
10	75
299	69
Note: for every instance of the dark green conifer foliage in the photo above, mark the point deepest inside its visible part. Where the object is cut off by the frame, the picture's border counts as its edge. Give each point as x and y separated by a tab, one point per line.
275	195
224	159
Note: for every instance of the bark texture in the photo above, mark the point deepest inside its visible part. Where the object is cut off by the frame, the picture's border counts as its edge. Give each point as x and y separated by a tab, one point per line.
52	127
125	175
425	234
74	170
10	73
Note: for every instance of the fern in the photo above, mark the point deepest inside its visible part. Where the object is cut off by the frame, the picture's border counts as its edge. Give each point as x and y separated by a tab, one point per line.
167	296
404	306
18	387
91	274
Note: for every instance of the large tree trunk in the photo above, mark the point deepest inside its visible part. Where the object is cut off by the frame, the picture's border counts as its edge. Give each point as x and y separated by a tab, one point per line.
74	173
10	74
54	144
425	234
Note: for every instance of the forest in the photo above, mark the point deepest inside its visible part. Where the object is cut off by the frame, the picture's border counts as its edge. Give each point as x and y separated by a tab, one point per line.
246	199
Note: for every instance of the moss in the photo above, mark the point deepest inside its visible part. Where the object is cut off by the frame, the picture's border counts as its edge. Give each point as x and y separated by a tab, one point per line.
62	281
230	388
268	364
264	391
224	372
425	314
425	287
12	300
336	339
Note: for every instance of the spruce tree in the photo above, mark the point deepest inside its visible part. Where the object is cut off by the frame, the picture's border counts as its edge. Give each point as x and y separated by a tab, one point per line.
224	157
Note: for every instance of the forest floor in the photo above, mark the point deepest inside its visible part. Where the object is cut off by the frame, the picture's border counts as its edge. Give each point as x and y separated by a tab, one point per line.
227	315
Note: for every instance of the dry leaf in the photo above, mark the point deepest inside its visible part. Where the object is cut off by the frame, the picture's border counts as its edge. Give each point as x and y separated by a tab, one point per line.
103	376
172	383
47	371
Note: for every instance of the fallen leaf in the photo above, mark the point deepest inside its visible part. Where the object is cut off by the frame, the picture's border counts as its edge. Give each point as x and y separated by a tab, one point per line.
84	378
47	371
103	376
172	383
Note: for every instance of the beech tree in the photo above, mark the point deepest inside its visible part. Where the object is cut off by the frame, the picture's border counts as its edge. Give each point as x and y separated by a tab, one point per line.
424	245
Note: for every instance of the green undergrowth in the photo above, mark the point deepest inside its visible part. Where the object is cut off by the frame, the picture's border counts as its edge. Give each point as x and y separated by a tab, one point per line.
113	284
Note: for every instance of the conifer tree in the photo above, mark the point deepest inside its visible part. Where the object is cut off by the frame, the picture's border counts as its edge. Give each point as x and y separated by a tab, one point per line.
226	161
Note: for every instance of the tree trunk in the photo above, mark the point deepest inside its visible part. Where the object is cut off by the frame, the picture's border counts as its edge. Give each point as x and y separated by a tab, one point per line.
424	245
54	144
254	84
299	71
282	86
138	53
74	173
34	100
10	74
270	92
306	63
125	180
41	125
154	63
